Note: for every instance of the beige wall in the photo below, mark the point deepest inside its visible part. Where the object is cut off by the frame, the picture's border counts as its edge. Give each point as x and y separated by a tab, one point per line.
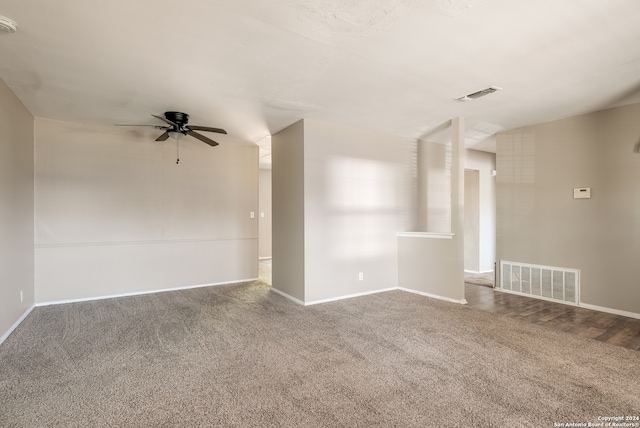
16	209
433	263
116	215
265	228
434	187
539	222
358	194
431	266
339	197
287	153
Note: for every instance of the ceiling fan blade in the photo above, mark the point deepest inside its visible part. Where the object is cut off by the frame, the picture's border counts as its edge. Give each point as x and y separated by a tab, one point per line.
154	126
163	136
208	129
166	120
202	138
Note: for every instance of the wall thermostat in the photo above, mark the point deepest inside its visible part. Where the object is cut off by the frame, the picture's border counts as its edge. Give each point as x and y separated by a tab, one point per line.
582	193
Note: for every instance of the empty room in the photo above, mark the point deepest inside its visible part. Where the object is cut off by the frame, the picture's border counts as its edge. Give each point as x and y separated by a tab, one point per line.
314	213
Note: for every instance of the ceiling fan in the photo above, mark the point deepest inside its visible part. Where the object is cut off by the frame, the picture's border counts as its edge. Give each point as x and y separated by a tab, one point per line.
177	127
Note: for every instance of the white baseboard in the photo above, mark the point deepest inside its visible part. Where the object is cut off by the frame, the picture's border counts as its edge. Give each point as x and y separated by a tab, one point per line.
287	296
332	299
610	310
265	258
16	324
434	296
533	296
578	305
138	293
349	296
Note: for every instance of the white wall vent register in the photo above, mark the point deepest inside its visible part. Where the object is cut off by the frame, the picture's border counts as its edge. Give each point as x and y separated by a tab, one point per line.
543	282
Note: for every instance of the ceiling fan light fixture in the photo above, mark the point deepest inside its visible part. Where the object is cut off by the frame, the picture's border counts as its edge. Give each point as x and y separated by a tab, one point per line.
176	135
7	24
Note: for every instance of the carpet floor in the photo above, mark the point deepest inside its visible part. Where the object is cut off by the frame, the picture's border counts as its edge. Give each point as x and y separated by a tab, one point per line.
485	279
240	355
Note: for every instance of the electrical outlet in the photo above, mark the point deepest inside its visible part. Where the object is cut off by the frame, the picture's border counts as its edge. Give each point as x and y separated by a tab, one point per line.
361	276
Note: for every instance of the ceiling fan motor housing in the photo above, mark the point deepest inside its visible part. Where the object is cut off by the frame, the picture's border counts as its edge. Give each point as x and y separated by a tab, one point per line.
177	117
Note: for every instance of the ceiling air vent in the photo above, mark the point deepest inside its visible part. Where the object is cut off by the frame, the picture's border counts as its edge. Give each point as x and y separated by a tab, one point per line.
7	25
478	94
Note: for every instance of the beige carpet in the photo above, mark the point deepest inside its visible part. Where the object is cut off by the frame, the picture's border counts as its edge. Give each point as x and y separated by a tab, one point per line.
243	356
485	279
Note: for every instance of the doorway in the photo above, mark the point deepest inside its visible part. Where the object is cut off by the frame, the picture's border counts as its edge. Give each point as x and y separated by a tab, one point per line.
480	219
471	220
264	225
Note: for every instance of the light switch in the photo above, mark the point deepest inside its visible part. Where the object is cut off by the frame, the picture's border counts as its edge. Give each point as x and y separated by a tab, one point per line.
582	193
253	214
262	214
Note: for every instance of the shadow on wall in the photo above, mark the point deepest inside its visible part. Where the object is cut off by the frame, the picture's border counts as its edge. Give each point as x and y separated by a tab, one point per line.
364	203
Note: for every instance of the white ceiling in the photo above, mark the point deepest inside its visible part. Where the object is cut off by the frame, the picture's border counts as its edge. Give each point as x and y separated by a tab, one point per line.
254	67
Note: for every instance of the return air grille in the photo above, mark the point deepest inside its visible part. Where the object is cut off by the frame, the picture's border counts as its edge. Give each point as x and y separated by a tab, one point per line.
544	282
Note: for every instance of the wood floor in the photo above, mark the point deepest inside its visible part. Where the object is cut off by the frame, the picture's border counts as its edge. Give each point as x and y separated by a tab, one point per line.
609	328
605	327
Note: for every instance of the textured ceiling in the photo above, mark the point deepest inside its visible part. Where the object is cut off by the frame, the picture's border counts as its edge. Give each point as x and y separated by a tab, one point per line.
254	67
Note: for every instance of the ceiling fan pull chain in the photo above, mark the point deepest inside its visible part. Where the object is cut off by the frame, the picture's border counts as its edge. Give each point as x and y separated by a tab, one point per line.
177	152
